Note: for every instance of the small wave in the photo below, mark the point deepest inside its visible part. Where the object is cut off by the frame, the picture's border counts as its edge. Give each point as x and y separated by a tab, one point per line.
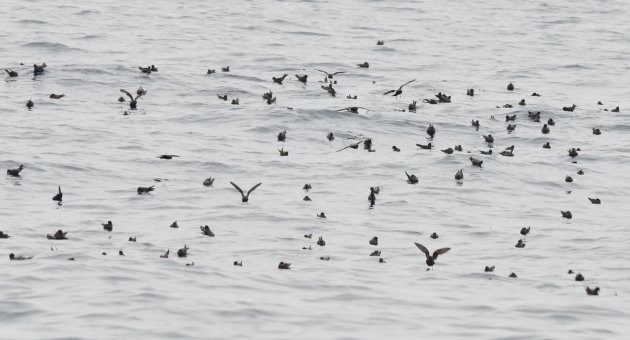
29	21
50	46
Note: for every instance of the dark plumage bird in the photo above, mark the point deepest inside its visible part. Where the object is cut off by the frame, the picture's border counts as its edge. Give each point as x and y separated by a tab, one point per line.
579	277
580	172
282	136
3	235
569	108
205	230
306	198
133	101
225	69
510	118
109	226
489	269
303	78
412	107
592	291
596	132
476	162
12	257
595	200
236	101
374	241
535	94
132	239
513	275
321	215
573	152
279	80
447	151
411	179
488	138
566	214
443	98
15	172
380	43
525	231
364	65
431	130
330	75
547	146
458	148
211	71
507	153
425	147
245	197
283	152
459	175
165	256
568	179
431	258
520	244
29	104
11	73
39	69
545	129
183	252
145	190
550	122
321	242
167	156
434	236
307	187
238	263
395	148
615	109
475	123
522	102
470	92
351	146
56	96
398	92
222	97
330	137
174	225
284	265
375	253
59	196
510	87
208	181
511	127
146	70
58	235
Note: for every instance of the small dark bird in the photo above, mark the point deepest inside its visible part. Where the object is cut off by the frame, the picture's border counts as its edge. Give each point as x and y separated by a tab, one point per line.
145	190
513	275
550	122
121	99
57	96
520	244
580	172
145	70
284	265
615	109
364	65
568	179
411	179
208	181
412	106
3	235
579	277
458	148
507	106
307	187
306	198
39	69
569	108
425	147
282	136
12	257
153	68
245	197
11	73
475	123
596	132
507	153
267	95
567	214
488	138
595	200
271	100
302	78
434	235
535	94
120	253
398	92
174	225
225	69
15	172
210	71
592	291
547	146
279	80
330	136
132	239
238	263
109	226
545	129
59	196
395	148
431	258
29	104
573	152
236	101
459	175
522	102
570	271
372	198
165	256
321	215
489	152
133	101
330	75
525	231
375	253
431	130
448	151
321	242
283	152
430	101
476	162
510	118
308	235
489	269
374	241
380	43
511	127
58	235
351	146
205	230
510	87
222	97
443	98
470	92
167	156
183	252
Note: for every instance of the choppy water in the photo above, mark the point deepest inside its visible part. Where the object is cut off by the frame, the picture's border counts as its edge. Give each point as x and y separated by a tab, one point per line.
569	52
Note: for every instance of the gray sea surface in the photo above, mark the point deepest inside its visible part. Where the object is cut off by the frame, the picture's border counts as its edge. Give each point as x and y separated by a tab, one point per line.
570	52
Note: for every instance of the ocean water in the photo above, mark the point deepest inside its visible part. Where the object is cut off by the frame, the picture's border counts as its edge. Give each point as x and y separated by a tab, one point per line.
569	52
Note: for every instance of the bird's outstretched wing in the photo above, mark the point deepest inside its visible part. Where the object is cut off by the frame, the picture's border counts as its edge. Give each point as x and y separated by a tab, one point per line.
349	146
237	188
127	93
388	92
406	84
253	188
59	189
340	72
408	176
422	249
440	252
322	71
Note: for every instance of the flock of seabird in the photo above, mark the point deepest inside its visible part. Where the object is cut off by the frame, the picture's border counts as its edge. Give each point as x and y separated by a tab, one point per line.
374	191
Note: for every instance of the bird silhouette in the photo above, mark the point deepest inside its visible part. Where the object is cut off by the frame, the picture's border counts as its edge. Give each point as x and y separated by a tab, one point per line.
245	197
431	258
399	91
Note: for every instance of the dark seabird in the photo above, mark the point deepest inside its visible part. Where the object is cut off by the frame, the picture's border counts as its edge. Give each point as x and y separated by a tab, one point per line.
11	73
279	80
547	146
488	138
271	100
236	101
210	71
245	197
330	75
525	231
395	148
570	271
39	69
412	106
520	244
284	265
510	118
222	97
29	104
121	99
12	257
57	96
174	225
579	277
374	241
308	235
430	101
535	94
380	43
510	87
303	78
458	148
58	235
596	132
511	127
595	200
615	109
573	152
459	175
425	147
550	122
225	69
321	242
448	151
120	253
513	275
167	156
145	190
569	108
283	152
398	92
307	187
205	230
580	172
545	129
381	260
507	106
470	92
476	162
208	181
324	258
568	179
431	258
592	291
489	269
431	130
475	123
522	102
145	70
375	190
306	198
411	179
321	215
566	214
364	65
165	256
183	252
3	235
443	98
330	136
434	236
59	196
15	172
507	153
133	101
282	136
109	226
352	146
375	253
132	239
238	263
